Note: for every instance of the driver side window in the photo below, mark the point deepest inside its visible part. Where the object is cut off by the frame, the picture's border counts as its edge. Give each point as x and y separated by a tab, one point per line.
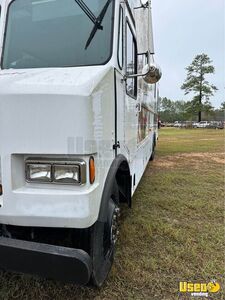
131	61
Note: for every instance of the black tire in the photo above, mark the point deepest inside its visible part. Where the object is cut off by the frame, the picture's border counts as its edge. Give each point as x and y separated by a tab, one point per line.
102	248
152	157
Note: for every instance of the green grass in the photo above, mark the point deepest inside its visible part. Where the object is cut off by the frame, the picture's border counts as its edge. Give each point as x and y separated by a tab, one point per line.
175	230
176	140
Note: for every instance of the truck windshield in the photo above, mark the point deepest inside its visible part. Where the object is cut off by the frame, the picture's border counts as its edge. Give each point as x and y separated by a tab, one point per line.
54	33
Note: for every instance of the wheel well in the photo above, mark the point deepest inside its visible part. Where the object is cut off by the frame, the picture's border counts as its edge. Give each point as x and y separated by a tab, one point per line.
120	172
124	179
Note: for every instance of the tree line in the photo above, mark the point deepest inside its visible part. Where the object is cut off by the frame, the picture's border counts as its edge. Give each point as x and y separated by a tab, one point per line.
179	110
196	83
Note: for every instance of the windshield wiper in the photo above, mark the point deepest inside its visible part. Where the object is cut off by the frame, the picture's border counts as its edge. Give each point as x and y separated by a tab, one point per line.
88	13
98	23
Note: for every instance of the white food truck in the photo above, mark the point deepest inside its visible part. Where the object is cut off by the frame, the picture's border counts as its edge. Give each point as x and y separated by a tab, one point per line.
78	126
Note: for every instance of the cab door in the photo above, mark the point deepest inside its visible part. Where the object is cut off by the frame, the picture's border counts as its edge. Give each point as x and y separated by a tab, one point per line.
127	95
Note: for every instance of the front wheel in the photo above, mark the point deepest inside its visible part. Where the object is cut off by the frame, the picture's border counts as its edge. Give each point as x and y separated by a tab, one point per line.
103	241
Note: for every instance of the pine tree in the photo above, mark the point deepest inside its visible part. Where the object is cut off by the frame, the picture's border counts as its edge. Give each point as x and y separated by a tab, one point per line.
222	106
196	83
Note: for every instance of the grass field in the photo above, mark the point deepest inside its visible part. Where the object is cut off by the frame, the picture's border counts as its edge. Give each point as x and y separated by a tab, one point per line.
175	231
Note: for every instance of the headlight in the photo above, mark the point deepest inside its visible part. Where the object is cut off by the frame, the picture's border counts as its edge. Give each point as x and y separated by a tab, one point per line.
66	174
39	172
55	171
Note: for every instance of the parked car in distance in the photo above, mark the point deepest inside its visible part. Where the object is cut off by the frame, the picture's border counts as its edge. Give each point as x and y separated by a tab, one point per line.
177	124
183	124
195	124
203	124
169	124
216	125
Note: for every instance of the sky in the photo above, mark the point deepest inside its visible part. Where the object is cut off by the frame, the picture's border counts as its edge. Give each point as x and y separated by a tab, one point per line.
182	30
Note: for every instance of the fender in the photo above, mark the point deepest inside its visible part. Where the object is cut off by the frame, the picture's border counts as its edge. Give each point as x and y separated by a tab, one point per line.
119	166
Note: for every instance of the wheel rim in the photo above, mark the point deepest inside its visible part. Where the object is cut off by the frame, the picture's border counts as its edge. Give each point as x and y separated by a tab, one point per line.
111	230
114	231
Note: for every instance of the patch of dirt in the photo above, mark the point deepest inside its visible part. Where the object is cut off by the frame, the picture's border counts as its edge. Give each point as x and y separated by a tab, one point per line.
216	157
219	161
194	159
207	139
166	164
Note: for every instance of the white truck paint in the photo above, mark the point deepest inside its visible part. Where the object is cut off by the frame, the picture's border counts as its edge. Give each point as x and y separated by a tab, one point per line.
59	113
47	112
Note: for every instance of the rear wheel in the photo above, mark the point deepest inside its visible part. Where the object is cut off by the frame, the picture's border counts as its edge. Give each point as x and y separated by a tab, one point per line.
153	151
103	240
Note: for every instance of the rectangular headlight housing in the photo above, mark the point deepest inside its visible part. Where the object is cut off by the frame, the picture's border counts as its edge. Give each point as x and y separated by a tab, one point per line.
38	172
44	170
66	174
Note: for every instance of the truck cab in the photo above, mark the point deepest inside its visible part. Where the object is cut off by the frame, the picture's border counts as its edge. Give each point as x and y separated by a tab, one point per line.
78	125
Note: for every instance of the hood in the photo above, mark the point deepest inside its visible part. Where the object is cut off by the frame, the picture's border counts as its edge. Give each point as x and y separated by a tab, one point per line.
49	111
68	81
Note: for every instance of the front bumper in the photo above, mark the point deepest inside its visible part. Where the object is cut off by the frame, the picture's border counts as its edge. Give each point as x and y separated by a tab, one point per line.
48	261
47	206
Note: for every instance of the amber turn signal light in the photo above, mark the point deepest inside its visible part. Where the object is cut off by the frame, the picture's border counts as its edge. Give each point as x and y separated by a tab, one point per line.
92	169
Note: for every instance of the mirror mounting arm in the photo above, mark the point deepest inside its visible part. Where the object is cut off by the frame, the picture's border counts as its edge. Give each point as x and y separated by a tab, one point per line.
125	77
151	74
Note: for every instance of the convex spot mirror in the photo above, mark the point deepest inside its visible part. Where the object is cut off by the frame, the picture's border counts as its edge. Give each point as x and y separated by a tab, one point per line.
151	73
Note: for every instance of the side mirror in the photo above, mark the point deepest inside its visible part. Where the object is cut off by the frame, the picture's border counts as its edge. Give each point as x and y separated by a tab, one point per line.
151	74
144	27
